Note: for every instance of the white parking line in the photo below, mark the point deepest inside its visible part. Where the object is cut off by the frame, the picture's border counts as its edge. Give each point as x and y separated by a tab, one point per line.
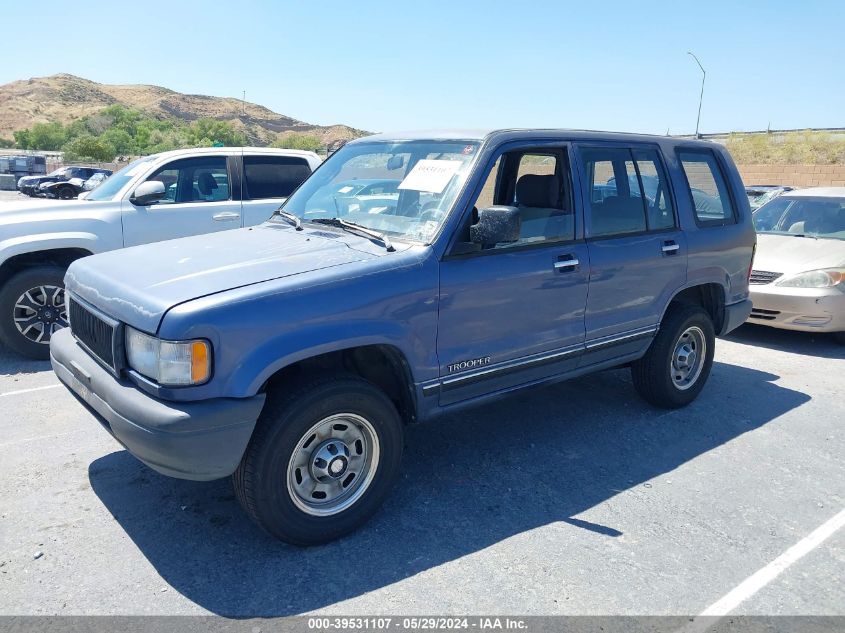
20	391
754	583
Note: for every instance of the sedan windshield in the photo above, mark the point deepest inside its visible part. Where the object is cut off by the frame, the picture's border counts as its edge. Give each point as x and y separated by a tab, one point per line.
802	216
404	190
109	189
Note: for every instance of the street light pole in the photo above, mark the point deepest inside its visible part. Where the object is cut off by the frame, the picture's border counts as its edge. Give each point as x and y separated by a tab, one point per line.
701	96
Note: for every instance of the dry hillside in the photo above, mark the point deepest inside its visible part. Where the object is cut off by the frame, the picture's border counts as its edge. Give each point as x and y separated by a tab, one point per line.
66	97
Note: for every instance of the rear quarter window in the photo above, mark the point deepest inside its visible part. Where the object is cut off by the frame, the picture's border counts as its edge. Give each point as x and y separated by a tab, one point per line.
273	176
707	187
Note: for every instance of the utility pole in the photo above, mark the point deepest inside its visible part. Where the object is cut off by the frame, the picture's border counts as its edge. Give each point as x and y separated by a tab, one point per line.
701	96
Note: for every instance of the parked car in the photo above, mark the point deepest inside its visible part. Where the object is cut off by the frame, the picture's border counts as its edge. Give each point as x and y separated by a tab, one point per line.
758	195
291	354
30	184
798	281
73	187
95	181
160	197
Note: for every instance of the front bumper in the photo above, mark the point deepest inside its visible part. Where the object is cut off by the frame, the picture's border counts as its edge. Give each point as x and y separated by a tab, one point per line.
200	440
802	309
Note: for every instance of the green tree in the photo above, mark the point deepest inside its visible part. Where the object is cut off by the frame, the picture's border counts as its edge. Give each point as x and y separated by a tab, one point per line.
43	136
204	132
88	147
7	143
298	140
119	139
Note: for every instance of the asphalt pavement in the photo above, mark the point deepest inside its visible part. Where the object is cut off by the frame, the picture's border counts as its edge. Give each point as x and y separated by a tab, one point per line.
577	498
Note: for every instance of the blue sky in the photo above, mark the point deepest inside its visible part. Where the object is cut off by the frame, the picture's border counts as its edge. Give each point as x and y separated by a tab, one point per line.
399	65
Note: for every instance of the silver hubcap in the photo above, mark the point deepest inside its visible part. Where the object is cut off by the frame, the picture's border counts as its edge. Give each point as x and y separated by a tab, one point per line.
333	464
39	312
688	358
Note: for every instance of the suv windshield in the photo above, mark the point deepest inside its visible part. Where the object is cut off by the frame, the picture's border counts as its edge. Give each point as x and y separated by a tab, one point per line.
61	171
813	217
404	189
108	190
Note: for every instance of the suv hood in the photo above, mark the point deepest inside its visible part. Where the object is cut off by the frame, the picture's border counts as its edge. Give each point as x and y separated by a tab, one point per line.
138	285
790	254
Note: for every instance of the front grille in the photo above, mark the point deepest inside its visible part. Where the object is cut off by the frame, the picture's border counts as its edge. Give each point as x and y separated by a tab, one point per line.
764	315
93	332
763	277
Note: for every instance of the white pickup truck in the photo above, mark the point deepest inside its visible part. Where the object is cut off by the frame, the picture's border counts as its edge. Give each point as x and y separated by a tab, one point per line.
159	197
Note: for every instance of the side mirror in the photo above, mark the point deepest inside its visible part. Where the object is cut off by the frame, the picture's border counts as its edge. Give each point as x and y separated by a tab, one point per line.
395	162
496	225
147	193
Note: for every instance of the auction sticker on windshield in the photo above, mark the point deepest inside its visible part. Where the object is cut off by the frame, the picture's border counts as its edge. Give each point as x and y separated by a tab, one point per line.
431	175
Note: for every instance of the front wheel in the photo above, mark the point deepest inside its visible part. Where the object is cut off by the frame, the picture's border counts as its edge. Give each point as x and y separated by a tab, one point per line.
676	366
324	455
32	309
66	193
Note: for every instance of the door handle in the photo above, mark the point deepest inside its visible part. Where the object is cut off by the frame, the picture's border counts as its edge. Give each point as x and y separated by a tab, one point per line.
670	247
566	263
226	216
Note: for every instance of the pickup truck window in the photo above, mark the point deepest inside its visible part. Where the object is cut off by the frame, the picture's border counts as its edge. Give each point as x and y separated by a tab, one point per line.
109	189
204	179
710	195
402	189
273	176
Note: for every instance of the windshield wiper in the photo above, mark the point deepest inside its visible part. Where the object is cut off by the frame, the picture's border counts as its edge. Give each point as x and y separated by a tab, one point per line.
357	228
290	217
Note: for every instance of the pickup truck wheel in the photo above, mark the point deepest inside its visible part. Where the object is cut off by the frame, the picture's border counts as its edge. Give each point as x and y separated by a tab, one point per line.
676	366
323	457
32	308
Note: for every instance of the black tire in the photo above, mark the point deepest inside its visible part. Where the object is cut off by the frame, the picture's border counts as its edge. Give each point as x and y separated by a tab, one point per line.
261	480
31	278
653	373
66	193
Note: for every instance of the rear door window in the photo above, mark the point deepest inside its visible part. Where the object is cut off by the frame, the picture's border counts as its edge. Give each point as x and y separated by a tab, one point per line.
273	176
708	188
660	213
616	205
628	191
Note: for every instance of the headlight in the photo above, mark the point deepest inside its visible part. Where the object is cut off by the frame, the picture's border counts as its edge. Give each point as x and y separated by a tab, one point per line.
824	278
176	363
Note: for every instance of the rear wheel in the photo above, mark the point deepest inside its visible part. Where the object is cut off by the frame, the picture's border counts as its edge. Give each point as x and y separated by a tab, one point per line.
66	193
32	309
324	455
676	366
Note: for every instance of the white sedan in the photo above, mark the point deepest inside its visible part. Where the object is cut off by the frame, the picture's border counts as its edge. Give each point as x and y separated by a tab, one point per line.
798	276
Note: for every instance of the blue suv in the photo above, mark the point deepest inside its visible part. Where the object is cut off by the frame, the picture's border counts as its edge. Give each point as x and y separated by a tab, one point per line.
290	354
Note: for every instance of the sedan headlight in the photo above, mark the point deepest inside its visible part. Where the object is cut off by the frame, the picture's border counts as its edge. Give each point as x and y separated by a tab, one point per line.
169	363
823	278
